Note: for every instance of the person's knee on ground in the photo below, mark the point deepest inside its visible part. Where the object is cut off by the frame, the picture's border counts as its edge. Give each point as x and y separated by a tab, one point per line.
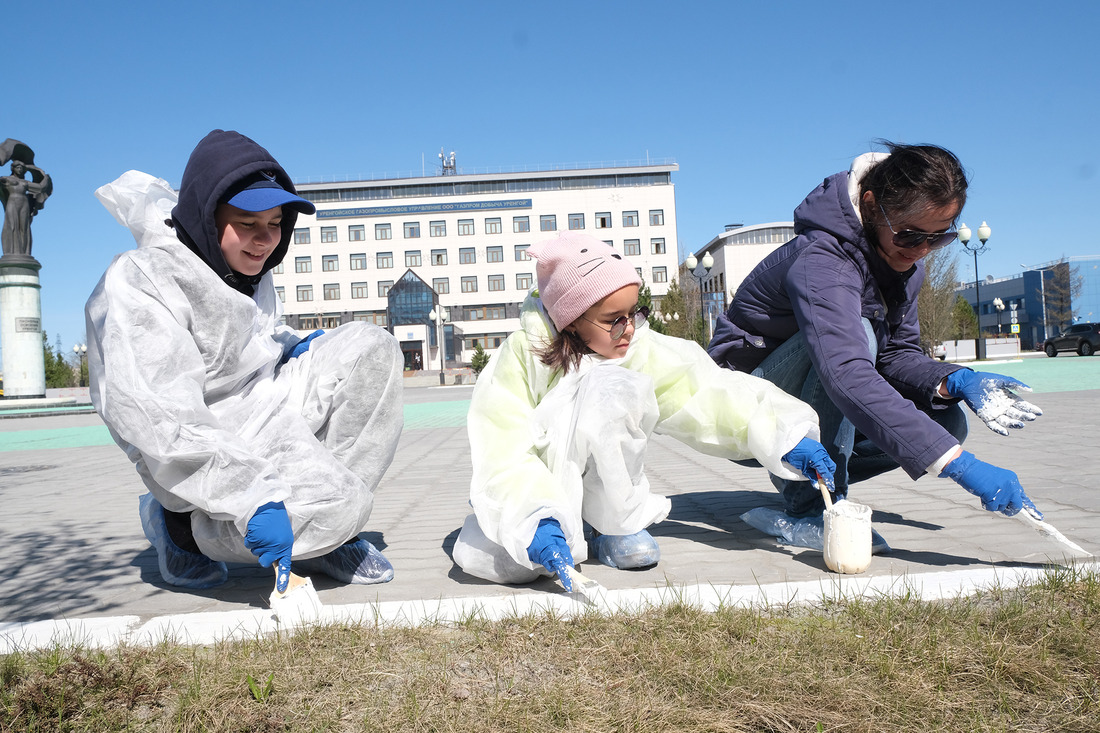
480	557
178	567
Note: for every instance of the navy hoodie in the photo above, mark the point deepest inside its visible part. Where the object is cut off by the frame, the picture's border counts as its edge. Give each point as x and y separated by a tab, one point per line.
222	164
822	283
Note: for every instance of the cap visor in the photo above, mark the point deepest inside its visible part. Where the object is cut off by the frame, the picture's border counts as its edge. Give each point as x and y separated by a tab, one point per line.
262	199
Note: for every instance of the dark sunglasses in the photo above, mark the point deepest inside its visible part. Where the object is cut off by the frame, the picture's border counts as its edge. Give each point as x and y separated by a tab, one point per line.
909	239
618	326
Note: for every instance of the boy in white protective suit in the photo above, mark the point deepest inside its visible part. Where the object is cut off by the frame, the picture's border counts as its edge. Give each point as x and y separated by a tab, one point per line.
252	442
560	419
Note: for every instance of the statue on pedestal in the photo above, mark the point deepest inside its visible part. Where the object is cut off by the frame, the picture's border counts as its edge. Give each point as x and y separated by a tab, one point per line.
21	198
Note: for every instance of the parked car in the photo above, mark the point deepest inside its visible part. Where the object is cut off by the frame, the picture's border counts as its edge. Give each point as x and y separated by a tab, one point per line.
940	351
1084	338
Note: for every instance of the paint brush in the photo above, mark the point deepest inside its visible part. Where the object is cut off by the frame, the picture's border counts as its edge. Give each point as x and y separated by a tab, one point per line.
584	588
1048	530
298	604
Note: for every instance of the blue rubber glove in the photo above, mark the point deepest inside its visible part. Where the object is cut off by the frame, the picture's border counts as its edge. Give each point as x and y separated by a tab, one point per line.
271	538
303	346
998	488
991	398
811	458
549	548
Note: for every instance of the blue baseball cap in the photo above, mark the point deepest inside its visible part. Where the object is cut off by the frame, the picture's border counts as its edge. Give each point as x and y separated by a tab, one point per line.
266	193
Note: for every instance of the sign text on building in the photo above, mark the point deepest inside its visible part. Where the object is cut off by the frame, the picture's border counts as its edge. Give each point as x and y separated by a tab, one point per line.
406	209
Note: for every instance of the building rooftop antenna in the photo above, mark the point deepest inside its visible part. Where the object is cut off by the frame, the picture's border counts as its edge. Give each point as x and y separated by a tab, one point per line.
448	163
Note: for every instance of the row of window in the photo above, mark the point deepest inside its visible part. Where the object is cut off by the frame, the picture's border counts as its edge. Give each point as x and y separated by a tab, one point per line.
312	323
466	256
473	313
469	188
492	225
441	285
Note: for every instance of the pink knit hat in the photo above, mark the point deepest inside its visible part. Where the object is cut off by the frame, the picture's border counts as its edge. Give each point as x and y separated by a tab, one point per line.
576	271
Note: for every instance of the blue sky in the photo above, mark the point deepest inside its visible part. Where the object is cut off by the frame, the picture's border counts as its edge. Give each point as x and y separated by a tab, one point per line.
757	103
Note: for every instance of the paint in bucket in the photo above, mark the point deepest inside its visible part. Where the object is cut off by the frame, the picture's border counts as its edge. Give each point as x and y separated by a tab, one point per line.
848	537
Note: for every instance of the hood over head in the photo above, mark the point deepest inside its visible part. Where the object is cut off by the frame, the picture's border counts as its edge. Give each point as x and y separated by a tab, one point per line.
833	207
227	165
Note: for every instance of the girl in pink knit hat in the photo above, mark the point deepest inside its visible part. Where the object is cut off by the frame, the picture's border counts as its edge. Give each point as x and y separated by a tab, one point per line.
561	417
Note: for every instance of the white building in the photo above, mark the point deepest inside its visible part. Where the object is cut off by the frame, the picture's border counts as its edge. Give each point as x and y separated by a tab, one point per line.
460	241
735	252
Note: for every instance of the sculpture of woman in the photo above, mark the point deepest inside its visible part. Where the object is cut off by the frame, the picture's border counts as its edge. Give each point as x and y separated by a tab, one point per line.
21	198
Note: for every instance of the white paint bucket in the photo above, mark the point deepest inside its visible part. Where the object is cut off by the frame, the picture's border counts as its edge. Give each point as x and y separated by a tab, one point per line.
848	537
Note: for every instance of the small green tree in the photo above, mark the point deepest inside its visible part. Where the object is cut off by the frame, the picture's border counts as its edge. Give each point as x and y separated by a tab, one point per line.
480	359
59	373
965	320
645	298
672	306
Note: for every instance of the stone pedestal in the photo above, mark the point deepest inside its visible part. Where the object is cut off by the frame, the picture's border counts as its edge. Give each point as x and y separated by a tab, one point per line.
21	327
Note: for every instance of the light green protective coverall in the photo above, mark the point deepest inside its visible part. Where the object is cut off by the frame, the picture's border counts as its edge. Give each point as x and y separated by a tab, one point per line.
546	446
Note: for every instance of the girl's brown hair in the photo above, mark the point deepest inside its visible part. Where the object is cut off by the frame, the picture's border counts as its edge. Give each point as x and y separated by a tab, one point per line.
564	352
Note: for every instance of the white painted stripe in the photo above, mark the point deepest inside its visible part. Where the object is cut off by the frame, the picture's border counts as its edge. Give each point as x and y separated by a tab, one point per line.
211	627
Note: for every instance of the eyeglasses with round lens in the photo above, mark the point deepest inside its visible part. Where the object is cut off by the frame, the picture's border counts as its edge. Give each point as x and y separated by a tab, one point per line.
637	316
911	239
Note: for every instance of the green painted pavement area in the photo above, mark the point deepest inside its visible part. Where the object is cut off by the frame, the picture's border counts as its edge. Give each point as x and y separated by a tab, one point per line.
426	415
436	414
1063	373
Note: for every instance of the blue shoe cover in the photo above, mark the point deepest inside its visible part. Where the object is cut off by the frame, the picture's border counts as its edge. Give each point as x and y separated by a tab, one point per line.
804	532
359	563
177	567
627	551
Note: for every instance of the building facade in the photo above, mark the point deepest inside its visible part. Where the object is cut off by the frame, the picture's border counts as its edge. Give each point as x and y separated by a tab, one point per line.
460	241
736	251
1039	303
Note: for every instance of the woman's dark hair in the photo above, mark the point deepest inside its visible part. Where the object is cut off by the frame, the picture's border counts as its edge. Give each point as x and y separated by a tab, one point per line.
914	179
564	352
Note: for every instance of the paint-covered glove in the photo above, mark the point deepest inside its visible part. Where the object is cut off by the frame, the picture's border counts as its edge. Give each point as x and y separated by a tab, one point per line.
991	398
303	346
811	458
998	488
270	537
550	549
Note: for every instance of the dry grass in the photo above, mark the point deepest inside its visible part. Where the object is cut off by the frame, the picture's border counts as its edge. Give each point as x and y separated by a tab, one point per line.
1019	660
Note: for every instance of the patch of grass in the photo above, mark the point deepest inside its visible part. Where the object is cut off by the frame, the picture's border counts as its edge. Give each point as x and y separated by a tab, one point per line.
1025	659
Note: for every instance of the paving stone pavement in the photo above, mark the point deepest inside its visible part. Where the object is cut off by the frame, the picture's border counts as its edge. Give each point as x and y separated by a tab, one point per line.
72	545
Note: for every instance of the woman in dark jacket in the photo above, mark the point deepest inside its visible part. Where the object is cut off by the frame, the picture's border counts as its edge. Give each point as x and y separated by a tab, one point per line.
831	317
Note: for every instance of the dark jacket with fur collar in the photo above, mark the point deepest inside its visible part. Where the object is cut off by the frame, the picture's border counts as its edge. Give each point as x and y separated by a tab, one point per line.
822	283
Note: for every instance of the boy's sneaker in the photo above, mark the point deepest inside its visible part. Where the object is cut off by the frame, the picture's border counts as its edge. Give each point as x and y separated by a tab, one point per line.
358	563
178	567
627	551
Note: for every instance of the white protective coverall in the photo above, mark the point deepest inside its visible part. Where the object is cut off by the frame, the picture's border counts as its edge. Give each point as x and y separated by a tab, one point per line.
185	372
572	448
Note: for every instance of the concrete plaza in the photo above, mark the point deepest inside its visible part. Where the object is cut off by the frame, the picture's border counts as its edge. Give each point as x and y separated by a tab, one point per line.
74	559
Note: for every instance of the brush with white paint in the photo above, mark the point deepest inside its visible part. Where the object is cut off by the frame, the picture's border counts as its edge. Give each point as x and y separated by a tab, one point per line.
584	588
1047	530
296	605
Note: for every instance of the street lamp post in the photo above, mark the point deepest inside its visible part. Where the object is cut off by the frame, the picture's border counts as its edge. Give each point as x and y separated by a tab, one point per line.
439	316
81	350
984	232
692	263
1000	306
